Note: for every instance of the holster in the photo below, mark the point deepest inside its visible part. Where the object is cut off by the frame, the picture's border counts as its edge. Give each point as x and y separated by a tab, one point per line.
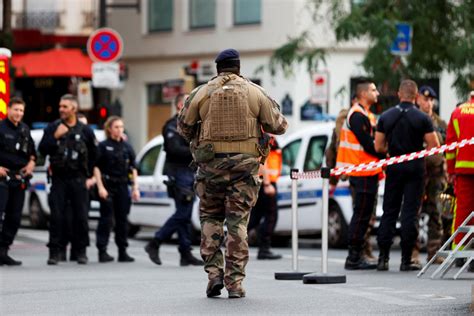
203	152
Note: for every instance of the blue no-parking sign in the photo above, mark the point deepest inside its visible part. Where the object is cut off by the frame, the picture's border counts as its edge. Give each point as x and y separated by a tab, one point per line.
402	44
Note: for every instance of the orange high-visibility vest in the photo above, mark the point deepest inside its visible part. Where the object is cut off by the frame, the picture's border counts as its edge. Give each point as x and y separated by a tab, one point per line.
273	165
350	151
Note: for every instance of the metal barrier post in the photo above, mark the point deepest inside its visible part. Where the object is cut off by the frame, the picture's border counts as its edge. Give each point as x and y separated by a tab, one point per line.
295	275
324	277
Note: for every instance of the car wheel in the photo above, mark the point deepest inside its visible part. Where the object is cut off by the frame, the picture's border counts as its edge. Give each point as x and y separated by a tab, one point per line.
423	220
37	216
337	227
133	230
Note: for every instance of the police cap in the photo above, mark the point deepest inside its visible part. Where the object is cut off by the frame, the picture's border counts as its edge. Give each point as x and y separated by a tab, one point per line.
427	91
227	55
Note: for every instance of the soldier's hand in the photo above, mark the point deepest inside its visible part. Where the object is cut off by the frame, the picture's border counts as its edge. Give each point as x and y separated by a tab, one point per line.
103	193
60	131
3	172
90	183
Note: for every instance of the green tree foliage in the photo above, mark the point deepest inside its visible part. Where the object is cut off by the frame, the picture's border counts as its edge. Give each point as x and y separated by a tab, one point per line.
443	38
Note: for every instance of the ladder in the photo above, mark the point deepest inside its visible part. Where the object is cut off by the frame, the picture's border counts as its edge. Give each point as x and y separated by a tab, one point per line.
462	250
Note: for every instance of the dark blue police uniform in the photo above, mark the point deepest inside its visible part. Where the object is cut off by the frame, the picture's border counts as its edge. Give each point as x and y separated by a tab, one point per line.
116	159
72	158
180	188
404	127
16	149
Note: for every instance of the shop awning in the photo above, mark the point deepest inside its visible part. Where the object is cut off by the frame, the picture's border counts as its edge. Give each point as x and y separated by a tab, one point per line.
53	63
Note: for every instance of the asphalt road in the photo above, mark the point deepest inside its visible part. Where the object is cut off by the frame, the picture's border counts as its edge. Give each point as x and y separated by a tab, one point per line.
144	288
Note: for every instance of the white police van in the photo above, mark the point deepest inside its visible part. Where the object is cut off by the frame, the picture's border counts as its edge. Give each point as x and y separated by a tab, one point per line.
36	207
303	150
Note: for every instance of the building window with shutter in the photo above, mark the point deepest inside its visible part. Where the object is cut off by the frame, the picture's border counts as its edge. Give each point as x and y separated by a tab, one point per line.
160	15
202	14
247	12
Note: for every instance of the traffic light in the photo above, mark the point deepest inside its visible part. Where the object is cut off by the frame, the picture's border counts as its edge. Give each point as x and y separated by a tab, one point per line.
103	113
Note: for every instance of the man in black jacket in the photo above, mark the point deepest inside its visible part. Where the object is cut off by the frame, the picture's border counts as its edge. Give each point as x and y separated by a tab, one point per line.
72	149
180	188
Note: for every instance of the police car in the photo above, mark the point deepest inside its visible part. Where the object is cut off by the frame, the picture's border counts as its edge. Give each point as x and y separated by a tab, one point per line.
303	150
36	207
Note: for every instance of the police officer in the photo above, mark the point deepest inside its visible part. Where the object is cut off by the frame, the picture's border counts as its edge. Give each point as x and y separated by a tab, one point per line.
436	177
356	146
71	147
115	169
17	161
232	112
180	188
402	129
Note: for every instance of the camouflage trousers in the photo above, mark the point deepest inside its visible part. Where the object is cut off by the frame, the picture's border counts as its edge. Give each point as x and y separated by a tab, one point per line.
227	189
431	205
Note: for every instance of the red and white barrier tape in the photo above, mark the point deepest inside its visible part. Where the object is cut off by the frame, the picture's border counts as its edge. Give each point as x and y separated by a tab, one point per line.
385	162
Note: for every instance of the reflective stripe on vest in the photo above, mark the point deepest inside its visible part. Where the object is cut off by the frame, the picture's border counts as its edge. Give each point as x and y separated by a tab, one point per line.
350	151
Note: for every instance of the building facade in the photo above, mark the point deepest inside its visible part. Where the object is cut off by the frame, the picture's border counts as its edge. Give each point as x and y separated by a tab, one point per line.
166	36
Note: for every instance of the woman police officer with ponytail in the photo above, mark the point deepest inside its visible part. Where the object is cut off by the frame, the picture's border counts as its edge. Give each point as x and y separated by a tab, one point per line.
114	171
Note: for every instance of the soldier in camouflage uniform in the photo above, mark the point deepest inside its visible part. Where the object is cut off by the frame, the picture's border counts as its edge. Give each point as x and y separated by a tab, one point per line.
225	118
436	179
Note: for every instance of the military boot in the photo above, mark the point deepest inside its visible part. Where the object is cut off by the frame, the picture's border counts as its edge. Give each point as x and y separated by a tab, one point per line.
104	256
124	257
214	287
355	260
82	257
5	259
153	250
384	257
407	263
432	248
267	254
237	294
187	259
54	257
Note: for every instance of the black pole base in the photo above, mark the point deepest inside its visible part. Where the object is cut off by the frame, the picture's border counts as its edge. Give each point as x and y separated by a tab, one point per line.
290	275
323	278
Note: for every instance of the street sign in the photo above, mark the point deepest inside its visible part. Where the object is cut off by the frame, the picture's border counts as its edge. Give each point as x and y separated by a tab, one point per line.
105	45
402	43
4	86
106	75
320	88
84	95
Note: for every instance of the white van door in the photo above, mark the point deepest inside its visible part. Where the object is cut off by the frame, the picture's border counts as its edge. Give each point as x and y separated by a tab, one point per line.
305	155
154	206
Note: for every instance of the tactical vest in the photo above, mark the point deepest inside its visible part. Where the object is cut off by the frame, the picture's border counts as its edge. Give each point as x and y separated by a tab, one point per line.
229	124
120	160
15	143
71	156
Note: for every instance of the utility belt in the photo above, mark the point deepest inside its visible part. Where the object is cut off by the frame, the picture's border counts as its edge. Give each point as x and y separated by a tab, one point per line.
115	179
18	177
205	152
174	191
